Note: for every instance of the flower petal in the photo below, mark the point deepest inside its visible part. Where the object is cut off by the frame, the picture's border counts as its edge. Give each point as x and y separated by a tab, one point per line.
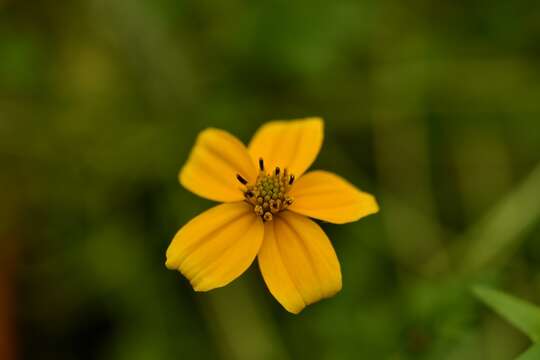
211	169
325	196
298	262
288	144
217	246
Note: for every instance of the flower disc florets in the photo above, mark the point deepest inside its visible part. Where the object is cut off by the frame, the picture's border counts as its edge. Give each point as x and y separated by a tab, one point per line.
269	193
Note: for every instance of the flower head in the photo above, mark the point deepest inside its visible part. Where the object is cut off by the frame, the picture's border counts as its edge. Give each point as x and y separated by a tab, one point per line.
267	202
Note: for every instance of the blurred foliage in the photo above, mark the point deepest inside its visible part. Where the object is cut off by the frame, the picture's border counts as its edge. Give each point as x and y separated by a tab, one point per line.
432	106
521	314
531	354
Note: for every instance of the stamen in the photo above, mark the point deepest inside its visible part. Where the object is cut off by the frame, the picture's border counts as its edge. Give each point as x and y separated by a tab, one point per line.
291	180
241	179
259	210
268	194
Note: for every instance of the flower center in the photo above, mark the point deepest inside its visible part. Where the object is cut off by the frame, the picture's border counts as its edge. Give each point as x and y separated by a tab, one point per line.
269	193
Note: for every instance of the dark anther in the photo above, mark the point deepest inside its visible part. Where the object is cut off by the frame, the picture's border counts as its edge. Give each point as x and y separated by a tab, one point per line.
261	164
291	179
249	193
241	179
277	170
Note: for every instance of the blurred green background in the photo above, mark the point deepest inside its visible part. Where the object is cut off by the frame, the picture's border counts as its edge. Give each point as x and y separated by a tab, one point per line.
434	107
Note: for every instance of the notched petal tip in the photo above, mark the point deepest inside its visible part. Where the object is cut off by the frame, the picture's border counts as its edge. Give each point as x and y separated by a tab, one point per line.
170	265
294	310
201	287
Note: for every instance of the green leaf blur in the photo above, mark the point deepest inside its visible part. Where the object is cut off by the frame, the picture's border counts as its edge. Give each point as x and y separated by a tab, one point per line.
524	316
532	354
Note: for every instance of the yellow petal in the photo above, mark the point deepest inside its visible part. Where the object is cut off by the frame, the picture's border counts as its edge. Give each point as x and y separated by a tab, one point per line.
288	144
217	246
211	169
325	196
298	262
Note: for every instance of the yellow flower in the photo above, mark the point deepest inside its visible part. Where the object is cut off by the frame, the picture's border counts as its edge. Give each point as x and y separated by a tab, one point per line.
267	200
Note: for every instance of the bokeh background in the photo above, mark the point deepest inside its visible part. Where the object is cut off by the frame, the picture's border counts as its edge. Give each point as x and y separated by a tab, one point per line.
432	106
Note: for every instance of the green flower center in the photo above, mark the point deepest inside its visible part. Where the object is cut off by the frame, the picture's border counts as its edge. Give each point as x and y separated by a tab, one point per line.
269	193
